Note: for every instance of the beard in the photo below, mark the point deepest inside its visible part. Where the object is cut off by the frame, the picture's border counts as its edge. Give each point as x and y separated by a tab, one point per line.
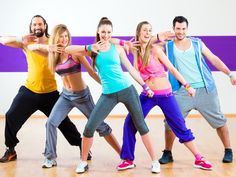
39	33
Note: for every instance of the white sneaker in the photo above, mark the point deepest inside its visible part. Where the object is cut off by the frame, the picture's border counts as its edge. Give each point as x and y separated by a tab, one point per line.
82	167
155	167
49	163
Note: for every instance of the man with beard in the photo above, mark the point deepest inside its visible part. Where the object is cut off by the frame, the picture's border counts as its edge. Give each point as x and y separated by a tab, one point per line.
188	55
38	93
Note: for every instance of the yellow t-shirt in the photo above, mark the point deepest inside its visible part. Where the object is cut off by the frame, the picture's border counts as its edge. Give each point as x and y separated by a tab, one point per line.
39	79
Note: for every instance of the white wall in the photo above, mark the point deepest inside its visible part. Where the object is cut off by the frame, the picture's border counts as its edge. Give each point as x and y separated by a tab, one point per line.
206	17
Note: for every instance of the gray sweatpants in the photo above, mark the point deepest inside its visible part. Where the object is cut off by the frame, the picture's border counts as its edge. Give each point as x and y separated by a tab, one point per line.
207	104
66	102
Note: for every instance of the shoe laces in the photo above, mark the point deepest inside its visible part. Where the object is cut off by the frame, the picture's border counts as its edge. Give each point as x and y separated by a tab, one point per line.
125	162
155	163
228	152
156	166
82	164
49	161
10	150
203	161
7	152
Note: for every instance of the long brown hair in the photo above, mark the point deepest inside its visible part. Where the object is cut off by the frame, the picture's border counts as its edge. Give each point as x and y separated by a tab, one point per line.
137	54
54	57
103	21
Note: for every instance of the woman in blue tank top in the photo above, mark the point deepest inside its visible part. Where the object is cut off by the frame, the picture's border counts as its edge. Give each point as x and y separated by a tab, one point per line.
116	87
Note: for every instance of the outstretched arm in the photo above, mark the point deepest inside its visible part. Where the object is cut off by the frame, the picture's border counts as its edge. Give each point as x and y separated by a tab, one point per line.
41	49
128	45
133	72
38	47
160	55
17	41
77	49
215	61
84	50
12	41
163	36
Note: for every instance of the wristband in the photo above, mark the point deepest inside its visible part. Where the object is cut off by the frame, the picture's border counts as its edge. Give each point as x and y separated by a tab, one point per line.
89	48
122	43
187	86
19	39
145	87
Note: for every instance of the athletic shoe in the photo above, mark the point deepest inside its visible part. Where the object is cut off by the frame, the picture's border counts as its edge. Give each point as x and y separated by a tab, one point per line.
156	167
228	156
125	164
166	157
202	164
49	163
8	156
82	167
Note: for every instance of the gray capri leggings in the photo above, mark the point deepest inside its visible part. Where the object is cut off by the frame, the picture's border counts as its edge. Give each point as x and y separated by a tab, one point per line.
129	97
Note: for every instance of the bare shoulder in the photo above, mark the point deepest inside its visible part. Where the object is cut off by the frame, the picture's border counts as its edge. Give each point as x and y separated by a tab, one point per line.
75	57
156	48
81	58
118	47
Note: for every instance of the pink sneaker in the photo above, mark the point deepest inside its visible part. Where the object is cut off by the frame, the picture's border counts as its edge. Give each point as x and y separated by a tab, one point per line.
125	164
202	164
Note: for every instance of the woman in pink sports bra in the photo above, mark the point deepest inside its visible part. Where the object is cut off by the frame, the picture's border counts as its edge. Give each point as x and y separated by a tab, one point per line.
150	60
75	92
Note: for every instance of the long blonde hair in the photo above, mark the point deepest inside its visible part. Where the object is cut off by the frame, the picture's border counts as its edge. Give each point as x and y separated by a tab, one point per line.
54	57
137	54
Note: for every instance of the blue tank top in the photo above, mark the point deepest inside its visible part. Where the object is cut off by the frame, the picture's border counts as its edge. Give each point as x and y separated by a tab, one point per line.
109	69
68	67
186	64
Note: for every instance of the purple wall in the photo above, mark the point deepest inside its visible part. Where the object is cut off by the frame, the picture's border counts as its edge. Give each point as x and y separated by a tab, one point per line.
13	60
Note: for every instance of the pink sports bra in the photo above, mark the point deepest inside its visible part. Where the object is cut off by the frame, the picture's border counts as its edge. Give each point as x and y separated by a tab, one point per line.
152	70
68	67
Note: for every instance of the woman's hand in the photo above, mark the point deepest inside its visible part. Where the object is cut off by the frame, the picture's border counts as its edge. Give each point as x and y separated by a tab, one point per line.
147	90
166	35
131	45
191	91
56	48
150	93
27	39
97	46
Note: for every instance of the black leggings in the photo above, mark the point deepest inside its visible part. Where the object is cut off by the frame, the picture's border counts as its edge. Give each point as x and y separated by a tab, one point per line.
24	105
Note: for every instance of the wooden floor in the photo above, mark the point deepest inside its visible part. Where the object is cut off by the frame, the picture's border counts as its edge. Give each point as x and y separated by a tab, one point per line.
31	146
